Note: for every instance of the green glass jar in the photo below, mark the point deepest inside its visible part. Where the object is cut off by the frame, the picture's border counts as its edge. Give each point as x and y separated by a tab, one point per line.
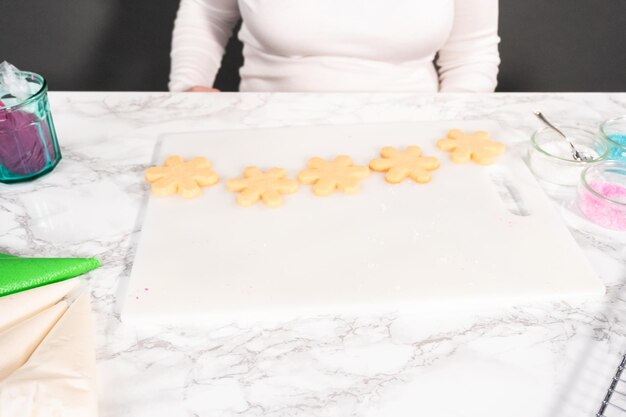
28	141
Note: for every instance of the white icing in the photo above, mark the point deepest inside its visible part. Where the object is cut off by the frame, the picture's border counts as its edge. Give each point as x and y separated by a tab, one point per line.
20	341
17	307
59	377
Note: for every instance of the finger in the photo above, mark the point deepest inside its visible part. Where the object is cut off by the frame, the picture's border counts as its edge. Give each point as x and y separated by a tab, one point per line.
203	89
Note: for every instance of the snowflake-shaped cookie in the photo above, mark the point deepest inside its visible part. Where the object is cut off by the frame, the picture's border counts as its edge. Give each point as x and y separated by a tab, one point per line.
473	146
400	165
328	176
180	176
258	185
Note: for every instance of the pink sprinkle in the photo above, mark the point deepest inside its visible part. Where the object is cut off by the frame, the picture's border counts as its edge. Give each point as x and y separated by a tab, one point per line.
136	298
605	213
145	289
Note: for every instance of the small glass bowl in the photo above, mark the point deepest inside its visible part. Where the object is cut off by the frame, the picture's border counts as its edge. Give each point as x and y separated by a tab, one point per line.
614	131
602	194
550	156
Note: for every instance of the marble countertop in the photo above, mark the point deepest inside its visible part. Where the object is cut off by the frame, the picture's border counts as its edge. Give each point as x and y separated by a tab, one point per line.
542	360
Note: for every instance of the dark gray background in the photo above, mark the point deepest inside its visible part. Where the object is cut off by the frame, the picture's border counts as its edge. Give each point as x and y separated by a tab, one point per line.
547	45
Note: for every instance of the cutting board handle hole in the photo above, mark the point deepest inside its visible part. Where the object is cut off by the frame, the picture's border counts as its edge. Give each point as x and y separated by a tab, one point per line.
509	194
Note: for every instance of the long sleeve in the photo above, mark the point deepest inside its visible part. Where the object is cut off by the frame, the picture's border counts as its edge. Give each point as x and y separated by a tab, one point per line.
201	31
469	60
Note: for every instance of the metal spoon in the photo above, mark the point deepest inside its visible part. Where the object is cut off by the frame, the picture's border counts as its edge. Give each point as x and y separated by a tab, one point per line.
578	156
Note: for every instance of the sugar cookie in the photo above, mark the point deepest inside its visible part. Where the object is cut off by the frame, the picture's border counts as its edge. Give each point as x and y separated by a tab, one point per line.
473	146
258	185
400	165
328	176
180	176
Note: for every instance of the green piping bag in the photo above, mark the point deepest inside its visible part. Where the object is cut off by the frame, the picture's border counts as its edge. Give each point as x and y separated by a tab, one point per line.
19	274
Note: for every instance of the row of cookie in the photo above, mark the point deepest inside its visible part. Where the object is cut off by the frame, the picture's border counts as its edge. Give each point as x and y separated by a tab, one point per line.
186	177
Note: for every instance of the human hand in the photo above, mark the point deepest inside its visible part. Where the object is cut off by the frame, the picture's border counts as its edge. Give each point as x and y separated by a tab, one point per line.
203	89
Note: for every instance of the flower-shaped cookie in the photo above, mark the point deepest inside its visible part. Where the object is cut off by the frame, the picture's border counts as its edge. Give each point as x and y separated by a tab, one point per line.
473	146
409	163
180	176
258	185
328	176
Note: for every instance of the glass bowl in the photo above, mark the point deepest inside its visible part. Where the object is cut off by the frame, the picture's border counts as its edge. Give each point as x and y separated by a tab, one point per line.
602	194
550	157
614	131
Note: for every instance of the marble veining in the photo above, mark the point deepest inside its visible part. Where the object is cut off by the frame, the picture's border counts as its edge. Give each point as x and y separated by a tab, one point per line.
541	360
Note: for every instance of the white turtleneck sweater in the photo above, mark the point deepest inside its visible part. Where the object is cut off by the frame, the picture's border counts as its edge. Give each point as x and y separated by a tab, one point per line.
341	45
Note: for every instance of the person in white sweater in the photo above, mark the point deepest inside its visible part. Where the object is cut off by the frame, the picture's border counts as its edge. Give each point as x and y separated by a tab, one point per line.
340	45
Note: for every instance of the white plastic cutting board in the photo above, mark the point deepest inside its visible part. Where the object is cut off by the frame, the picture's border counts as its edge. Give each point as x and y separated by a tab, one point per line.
447	244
